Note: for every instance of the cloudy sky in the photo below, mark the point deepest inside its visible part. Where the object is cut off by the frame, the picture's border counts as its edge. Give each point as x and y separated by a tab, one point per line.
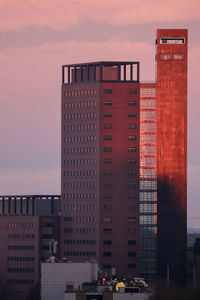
38	36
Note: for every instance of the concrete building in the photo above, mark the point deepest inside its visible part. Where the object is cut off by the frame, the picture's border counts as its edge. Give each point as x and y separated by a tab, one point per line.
57	277
27	224
124	163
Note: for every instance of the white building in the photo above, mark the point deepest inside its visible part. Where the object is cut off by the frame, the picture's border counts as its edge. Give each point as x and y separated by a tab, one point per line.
56	276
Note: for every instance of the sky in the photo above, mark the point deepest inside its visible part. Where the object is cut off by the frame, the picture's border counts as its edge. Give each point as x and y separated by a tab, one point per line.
38	37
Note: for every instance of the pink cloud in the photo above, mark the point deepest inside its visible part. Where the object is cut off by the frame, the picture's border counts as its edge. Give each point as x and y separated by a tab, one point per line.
57	14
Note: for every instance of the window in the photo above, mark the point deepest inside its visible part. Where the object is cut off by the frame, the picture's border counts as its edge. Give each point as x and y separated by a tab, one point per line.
148	219
107	149
148	207
132	138
107	137
131	149
107	184
132	207
107	254
107	266
131	219
107	91
148	185
132	172
131	266
132	115
131	161
132	126
107	172
107	196
131	242
107	242
132	103
131	184
107	207
132	92
107	115
132	254
107	103
107	219
132	196
107	230
107	126
148	196
107	161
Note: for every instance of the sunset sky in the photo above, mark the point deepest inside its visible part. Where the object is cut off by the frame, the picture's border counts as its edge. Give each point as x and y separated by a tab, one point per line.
38	36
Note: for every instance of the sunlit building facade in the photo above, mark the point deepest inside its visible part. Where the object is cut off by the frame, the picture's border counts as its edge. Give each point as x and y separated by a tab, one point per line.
124	163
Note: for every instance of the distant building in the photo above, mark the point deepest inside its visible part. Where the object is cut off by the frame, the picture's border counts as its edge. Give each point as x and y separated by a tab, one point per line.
124	163
27	224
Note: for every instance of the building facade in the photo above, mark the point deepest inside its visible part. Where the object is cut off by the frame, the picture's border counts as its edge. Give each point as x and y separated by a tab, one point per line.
27	224
124	163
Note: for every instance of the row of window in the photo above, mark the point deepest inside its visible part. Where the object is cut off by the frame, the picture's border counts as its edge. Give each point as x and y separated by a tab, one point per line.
80	253
109	266
148	219
147	173
21	236
109	115
148	208
130	160
20	270
148	149
80	196
147	115
109	126
148	104
148	161
148	92
148	243
109	254
80	242
21	247
79	150
80	173
79	207
148	196
131	92
79	230
21	281
80	127
21	225
80	93
80	161
80	184
21	258
109	207
148	231
81	219
84	104
89	115
83	138
148	185
147	126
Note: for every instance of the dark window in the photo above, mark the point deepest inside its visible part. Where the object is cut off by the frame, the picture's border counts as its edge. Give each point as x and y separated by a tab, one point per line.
107	184
107	230
107	266
132	172
131	242
107	196
107	114
132	92
107	207
132	126
107	126
131	149
107	91
107	254
132	103
107	242
132	196
107	103
131	184
107	172
107	137
131	266
132	138
107	149
132	207
132	115
107	161
131	161
131	254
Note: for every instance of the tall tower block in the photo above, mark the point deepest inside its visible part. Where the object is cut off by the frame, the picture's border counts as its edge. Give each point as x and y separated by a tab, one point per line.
172	152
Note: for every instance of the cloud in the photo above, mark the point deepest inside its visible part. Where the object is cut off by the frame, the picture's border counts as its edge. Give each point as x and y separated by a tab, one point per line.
58	14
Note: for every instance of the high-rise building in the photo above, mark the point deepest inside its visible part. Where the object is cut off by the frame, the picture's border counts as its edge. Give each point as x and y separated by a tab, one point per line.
124	163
